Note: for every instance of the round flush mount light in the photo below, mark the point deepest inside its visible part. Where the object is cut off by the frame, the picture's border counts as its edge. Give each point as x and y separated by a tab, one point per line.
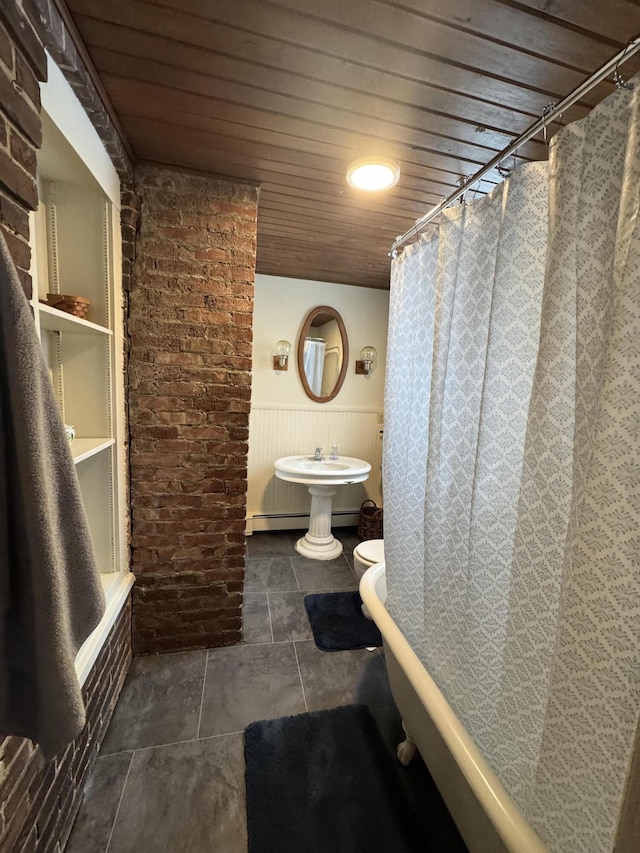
373	174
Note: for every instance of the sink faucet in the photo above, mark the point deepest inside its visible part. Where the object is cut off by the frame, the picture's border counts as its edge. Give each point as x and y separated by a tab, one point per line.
317	456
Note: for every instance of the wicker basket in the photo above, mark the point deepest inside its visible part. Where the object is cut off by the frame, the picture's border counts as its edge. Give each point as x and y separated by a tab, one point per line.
370	521
76	305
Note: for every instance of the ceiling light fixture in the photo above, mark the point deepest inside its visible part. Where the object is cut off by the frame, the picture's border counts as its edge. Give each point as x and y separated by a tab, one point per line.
373	174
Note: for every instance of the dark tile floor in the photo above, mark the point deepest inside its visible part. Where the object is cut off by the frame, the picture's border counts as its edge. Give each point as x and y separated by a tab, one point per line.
170	775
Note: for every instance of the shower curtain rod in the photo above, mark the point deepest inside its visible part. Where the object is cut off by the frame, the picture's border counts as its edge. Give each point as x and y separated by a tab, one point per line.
611	66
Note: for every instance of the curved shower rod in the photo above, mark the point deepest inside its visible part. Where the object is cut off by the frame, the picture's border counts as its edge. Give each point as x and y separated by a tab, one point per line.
550	111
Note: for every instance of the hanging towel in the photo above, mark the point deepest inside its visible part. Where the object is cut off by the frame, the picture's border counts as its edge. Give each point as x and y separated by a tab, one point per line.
50	592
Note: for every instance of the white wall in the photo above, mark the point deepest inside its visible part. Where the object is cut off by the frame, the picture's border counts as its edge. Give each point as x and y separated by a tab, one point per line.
281	305
285	421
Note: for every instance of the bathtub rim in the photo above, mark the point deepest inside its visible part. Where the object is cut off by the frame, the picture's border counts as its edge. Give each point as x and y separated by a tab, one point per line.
501	810
117	587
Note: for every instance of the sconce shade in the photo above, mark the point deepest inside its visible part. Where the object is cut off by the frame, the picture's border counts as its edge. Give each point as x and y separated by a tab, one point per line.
281	355
367	356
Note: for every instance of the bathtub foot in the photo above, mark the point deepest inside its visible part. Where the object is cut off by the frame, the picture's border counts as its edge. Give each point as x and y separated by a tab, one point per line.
407	749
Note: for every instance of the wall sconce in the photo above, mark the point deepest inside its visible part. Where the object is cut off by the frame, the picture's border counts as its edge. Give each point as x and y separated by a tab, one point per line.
281	355
367	355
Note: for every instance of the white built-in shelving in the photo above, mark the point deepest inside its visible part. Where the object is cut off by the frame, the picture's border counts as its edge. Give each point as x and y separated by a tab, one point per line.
84	448
54	320
75	238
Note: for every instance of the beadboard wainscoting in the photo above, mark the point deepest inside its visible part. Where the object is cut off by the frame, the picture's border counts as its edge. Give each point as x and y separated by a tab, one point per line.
275	431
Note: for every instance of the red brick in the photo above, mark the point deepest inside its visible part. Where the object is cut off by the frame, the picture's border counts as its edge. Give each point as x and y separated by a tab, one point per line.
22	32
23	152
19	110
27	80
242	319
13	216
20	185
213	255
19	250
159	404
213	318
246	209
128	197
183	358
181	235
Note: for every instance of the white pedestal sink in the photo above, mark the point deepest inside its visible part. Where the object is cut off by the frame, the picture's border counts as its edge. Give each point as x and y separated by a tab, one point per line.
322	478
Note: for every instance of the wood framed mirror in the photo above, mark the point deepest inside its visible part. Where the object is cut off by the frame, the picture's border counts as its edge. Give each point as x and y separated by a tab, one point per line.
323	354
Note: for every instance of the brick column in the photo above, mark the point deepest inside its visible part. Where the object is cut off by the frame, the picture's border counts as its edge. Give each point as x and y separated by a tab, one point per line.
190	316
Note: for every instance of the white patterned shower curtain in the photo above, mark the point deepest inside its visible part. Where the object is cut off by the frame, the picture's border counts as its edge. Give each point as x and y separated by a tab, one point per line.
313	361
512	471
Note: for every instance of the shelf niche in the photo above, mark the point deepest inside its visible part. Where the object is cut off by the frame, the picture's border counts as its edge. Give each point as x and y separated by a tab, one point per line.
75	241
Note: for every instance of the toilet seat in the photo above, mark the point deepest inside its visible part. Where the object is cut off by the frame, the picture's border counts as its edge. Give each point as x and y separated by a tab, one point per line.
367	554
370	551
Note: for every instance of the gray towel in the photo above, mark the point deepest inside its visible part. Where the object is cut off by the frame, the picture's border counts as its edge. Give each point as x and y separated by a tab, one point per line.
50	592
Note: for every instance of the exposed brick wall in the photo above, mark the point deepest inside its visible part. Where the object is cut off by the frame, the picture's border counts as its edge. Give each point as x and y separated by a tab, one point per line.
22	64
39	800
190	327
129	216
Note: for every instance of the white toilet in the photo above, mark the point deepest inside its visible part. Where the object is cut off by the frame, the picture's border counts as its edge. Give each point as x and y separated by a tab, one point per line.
366	554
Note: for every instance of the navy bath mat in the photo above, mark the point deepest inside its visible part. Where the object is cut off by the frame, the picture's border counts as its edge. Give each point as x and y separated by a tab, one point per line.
324	782
338	623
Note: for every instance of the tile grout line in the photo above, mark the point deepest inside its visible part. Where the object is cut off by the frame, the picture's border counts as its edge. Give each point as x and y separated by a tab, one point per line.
204	682
304	695
295	574
270	619
264	643
175	743
152	746
115	817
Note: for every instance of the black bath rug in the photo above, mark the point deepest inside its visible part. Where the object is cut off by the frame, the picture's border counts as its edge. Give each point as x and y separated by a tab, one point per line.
324	782
338	623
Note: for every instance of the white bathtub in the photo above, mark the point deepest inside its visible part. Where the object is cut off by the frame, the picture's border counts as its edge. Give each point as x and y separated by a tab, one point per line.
486	816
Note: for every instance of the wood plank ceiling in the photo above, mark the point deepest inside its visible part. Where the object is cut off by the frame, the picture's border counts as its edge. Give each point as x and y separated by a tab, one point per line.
289	92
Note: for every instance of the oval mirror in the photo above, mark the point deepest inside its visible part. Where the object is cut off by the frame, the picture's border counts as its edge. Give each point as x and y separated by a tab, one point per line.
323	354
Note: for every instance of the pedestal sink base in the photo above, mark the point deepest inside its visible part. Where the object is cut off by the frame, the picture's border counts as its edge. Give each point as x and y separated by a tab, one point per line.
318	543
319	549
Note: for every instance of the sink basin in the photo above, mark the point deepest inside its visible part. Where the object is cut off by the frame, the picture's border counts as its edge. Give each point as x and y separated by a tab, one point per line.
323	465
306	469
